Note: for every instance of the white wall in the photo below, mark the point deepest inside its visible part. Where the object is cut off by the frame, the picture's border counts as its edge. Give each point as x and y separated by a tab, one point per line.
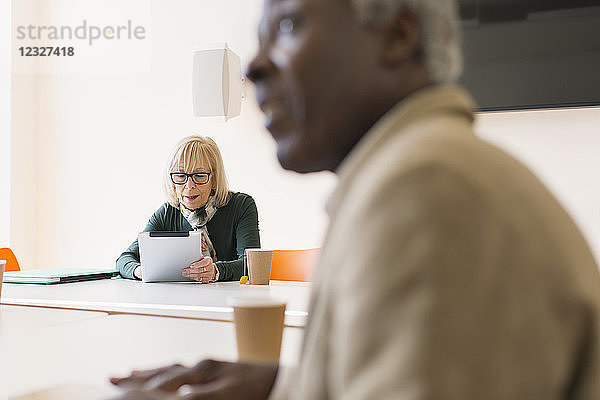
5	52
24	145
89	146
561	147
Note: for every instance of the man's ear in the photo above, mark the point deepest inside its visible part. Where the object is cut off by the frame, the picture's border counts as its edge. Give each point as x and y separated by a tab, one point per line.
401	38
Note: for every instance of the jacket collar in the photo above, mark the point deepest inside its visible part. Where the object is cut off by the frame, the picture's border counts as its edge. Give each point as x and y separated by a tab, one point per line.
431	100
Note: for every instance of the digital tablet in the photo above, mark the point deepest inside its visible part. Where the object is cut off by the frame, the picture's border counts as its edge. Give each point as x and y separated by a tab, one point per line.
164	254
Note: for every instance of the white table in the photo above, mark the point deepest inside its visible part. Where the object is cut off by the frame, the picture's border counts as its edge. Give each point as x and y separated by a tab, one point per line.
92	350
16	321
188	300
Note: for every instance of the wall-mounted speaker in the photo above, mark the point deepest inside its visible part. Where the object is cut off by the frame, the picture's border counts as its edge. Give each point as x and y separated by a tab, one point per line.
217	82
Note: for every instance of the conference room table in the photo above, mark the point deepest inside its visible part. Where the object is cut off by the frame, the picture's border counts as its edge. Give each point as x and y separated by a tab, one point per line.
175	299
74	336
72	353
15	320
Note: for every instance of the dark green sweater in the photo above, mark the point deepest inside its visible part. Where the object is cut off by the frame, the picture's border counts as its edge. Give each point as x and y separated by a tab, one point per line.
232	229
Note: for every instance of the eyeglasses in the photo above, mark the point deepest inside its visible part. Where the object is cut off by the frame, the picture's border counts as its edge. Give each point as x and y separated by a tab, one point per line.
181	178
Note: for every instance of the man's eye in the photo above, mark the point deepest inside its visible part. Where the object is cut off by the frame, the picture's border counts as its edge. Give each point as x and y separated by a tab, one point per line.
286	25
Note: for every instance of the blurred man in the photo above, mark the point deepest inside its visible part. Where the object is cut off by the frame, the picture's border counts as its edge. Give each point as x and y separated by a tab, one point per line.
448	270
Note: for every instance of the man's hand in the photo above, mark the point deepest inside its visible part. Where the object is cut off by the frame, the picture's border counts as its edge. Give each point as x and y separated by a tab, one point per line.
203	270
207	380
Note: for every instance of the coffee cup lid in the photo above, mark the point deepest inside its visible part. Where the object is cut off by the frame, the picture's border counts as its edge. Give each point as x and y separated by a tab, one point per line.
249	301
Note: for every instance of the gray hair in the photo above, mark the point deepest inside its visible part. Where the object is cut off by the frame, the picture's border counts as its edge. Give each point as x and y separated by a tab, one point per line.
440	36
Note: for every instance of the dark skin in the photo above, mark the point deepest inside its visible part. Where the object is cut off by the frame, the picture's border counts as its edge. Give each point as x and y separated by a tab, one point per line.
326	78
214	380
323	78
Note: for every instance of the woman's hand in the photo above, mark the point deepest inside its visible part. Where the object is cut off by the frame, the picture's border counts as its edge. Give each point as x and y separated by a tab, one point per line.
137	272
211	380
203	271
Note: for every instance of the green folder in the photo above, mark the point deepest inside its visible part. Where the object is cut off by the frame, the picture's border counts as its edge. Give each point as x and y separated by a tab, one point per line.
50	276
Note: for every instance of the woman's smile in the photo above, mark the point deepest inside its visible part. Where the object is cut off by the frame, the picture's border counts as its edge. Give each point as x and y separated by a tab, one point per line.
194	201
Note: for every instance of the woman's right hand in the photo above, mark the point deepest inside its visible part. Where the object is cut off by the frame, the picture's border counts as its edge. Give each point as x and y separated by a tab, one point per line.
137	272
203	270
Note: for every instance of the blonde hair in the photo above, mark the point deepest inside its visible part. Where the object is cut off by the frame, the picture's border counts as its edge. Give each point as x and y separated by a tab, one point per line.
190	152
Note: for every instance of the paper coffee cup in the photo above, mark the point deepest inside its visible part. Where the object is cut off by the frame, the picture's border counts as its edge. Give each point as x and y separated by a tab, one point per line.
258	328
259	266
2	266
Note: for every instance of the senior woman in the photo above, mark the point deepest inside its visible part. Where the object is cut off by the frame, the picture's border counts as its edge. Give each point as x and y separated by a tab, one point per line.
198	199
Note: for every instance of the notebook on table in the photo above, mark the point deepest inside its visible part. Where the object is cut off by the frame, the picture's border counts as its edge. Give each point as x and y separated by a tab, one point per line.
50	276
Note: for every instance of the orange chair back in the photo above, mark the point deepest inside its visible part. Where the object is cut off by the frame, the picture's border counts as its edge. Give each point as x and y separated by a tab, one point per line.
293	265
11	261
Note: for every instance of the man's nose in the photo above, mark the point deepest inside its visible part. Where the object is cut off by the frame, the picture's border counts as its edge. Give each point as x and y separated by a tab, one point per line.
259	67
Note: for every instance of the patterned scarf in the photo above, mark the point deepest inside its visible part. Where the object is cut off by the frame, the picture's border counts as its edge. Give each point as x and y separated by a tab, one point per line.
198	219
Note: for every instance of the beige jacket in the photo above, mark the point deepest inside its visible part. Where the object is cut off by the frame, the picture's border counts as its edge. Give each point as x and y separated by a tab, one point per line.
448	272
